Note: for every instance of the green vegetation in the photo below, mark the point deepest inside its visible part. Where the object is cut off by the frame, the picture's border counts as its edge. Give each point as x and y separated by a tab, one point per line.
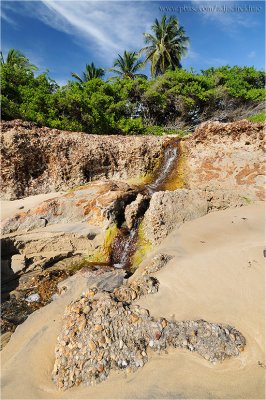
91	72
261	117
166	47
128	65
129	103
164	130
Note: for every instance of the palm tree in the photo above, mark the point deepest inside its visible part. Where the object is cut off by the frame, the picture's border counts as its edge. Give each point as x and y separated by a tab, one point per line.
127	65
17	59
91	72
167	45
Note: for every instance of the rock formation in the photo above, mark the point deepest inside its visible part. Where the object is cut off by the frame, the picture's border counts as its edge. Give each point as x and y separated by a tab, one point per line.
42	160
223	166
228	157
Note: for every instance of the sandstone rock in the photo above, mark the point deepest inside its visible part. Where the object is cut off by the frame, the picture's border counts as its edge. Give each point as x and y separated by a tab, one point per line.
170	209
228	157
99	203
97	277
135	209
42	160
18	263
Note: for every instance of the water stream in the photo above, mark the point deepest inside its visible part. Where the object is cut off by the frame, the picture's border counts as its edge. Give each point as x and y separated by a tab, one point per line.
125	244
168	162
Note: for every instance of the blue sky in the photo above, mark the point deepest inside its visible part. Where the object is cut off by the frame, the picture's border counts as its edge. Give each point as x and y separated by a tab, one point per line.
65	35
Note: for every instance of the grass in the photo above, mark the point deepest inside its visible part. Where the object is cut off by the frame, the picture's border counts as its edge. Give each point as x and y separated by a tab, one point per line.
161	131
261	117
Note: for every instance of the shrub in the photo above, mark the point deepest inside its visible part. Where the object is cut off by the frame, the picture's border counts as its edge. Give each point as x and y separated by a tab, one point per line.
261	117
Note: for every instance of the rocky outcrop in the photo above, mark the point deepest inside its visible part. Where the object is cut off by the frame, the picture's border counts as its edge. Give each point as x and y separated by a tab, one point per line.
78	222
98	204
169	210
222	166
228	157
41	160
136	209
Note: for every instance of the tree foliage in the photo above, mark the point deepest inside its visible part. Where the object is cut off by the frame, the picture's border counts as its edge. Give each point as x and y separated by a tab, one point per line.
166	46
91	72
129	106
127	65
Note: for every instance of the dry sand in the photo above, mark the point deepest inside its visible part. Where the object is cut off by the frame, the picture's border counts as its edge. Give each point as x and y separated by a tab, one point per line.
217	274
10	208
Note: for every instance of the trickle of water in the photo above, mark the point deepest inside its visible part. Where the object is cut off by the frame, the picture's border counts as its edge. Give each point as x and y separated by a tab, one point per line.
128	247
127	242
169	159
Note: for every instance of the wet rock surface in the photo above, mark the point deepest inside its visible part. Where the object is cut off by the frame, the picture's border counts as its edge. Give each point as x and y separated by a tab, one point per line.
100	333
36	289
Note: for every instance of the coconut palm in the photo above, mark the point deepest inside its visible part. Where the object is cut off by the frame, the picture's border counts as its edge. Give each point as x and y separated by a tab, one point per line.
91	72
167	45
17	59
127	65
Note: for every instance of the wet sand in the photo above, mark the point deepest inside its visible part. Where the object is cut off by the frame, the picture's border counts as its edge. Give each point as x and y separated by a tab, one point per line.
217	274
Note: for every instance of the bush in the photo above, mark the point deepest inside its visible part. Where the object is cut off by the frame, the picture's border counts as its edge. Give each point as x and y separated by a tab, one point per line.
261	117
129	106
161	130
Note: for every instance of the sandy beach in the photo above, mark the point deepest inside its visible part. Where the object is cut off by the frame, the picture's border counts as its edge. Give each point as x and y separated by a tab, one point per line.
10	208
217	274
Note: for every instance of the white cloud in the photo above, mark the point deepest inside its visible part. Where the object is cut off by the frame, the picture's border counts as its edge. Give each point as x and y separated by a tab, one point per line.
216	61
252	54
7	18
106	28
192	55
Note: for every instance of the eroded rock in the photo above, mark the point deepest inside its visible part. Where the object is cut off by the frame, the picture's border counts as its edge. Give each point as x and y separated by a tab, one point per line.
42	160
136	209
228	157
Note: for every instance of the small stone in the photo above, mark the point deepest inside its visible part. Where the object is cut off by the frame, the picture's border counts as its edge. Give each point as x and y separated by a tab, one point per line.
151	343
98	328
33	298
86	309
133	295
164	323
102	340
232	337
92	345
134	318
157	335
100	368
